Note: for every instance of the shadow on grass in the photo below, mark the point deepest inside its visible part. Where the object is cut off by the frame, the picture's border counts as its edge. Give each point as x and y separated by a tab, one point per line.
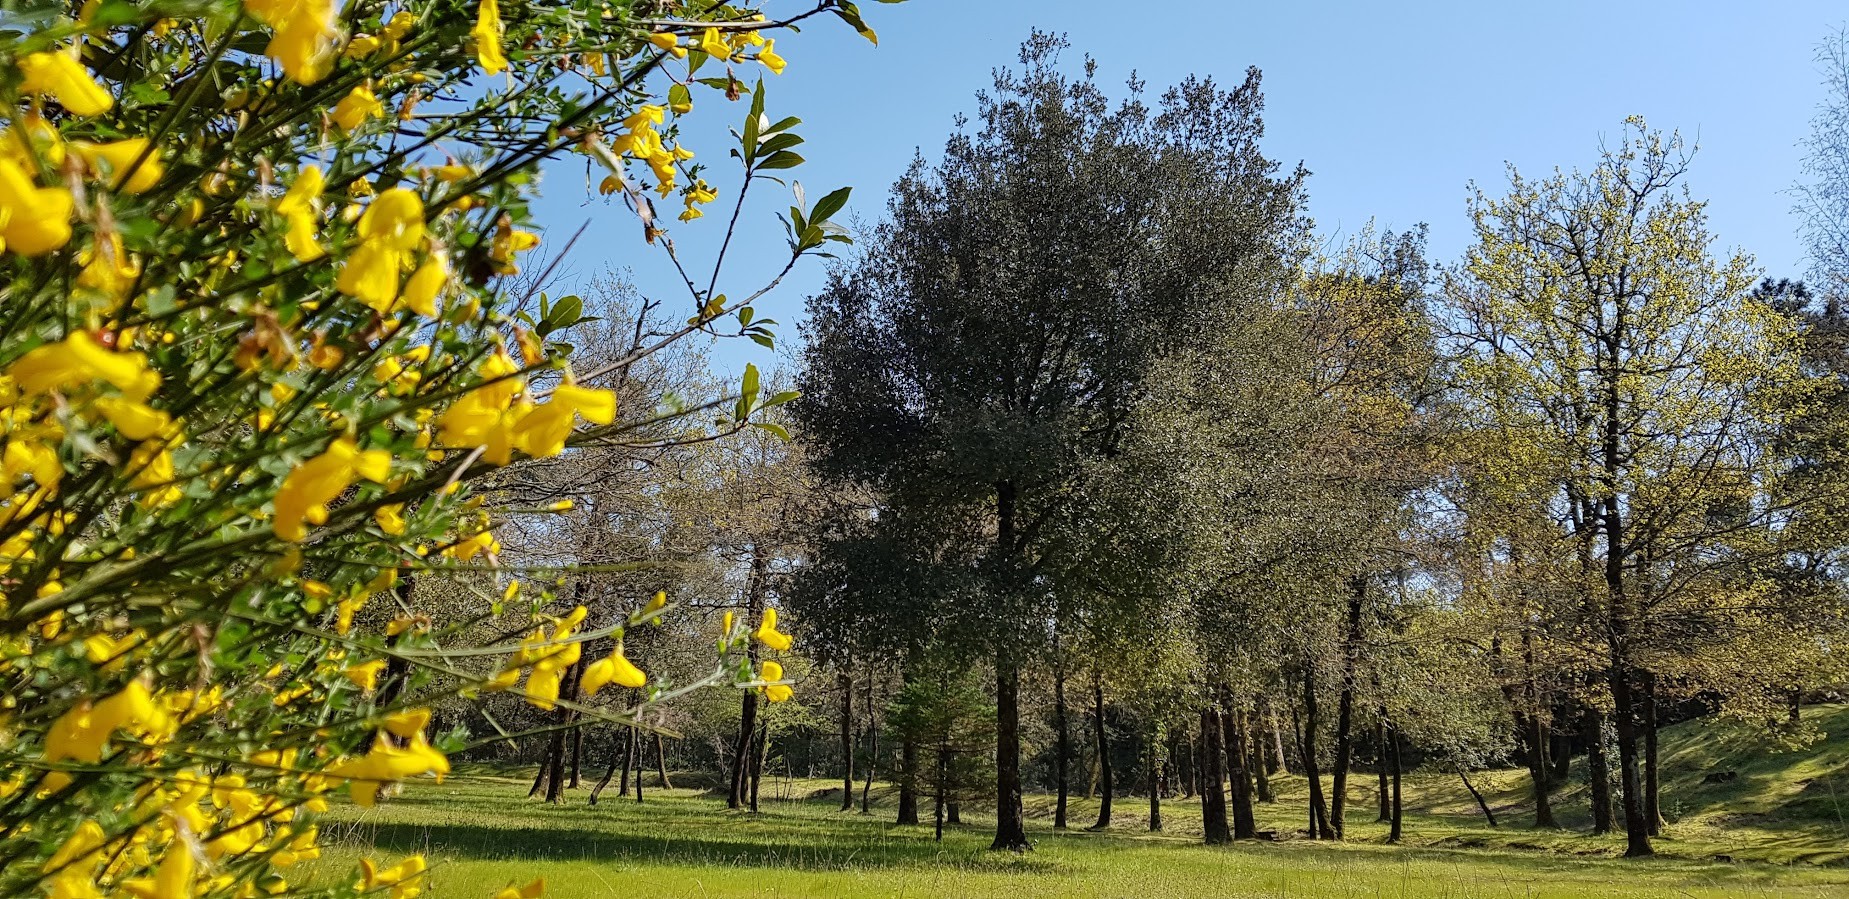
710	844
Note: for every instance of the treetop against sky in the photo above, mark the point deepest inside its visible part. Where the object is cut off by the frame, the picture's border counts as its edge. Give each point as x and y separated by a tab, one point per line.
1395	110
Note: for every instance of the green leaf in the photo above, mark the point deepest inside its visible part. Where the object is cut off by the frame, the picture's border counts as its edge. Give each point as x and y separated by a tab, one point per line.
744	316
829	205
780	142
748	391
781	398
782	159
764	340
773	428
679	96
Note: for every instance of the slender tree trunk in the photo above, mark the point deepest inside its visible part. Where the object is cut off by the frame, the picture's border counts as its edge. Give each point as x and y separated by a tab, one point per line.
1233	740
1062	753
759	759
1624	716
1598	769
1154	774
629	763
1279	758
1010	816
1190	766
1653	813
1345	707
577	758
847	739
1399	808
555	750
615	761
661	763
1320	828
748	708
1380	768
908	781
1257	760
1213	794
873	747
1561	753
539	779
1465	777
943	783
1106	774
638	751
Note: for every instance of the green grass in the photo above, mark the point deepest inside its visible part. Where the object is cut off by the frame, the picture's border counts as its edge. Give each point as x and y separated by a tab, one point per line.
1777	823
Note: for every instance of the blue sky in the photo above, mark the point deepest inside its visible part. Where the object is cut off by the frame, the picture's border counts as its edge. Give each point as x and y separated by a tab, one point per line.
1395	109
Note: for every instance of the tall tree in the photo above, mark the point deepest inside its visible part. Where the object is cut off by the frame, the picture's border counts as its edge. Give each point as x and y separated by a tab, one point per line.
1645	374
995	333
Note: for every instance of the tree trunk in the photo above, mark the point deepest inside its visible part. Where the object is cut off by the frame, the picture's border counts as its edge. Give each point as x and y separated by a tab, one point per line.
1279	758
1154	774
629	764
577	758
1106	774
943	783
1345	706
1465	777
639	753
1213	795
748	707
1653	813
1257	761
1380	768
1598	769
1399	808
615	760
758	760
873	747
555	749
1233	739
1010	816
661	763
847	739
1320	829
1624	716
908	781
1190	766
1062	753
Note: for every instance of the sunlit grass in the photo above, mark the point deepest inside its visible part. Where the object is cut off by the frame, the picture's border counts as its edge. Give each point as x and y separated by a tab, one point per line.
481	833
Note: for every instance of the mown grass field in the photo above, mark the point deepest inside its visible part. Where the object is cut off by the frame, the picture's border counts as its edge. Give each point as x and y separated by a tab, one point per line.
1776	830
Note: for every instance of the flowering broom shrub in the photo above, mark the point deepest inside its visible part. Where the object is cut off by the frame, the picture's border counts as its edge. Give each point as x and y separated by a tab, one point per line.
257	339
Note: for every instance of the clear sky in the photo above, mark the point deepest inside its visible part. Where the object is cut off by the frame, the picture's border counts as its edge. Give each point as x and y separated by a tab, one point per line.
1394	107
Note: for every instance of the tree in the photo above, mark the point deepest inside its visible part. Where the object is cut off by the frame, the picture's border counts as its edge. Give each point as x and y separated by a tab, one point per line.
1641	373
994	335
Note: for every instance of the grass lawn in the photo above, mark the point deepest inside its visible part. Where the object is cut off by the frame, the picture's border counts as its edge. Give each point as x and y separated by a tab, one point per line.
480	832
1777	825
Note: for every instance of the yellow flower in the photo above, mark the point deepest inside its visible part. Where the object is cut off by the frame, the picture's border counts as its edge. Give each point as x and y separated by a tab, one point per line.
715	46
370	275
299	207
79	361
394	218
426	284
118	158
80	848
390	518
60	76
107	267
33	220
768	634
407	723
616	669
306	35
356	107
768	56
386	763
134	420
487	35
771	671
543	431
305	493
664	40
366	676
